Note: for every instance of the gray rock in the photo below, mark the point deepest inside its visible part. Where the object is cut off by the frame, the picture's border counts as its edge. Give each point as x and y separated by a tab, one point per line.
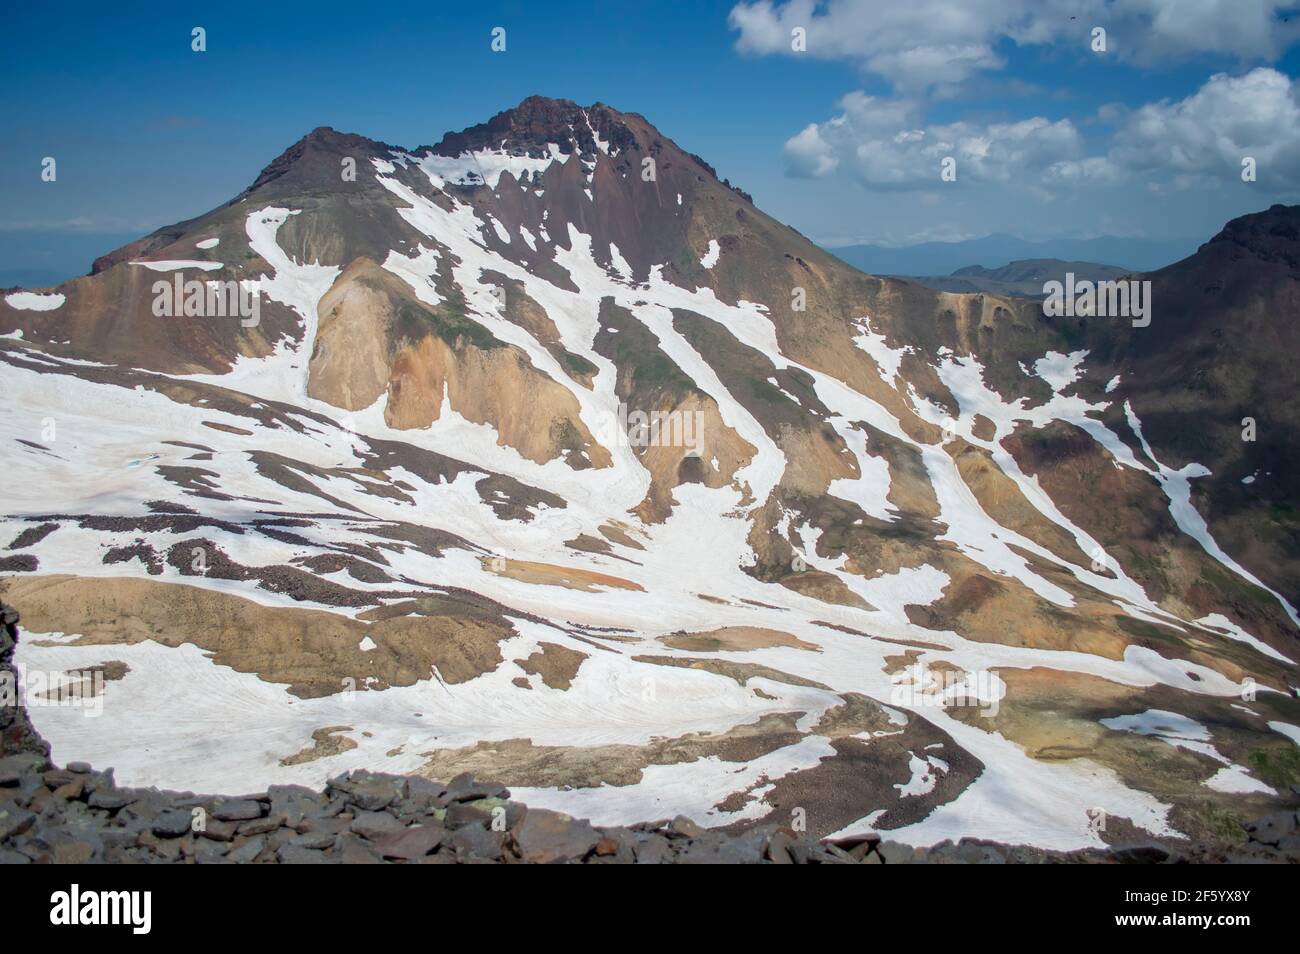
118	837
856	845
894	853
332	808
974	852
1290	844
683	827
616	846
15	821
243	809
370	792
172	823
477	842
778	848
653	850
317	840
467	813
111	799
210	852
824	854
281	837
719	849
463	788
296	855
1143	854
218	830
1271	829
56	777
260	826
70	791
292	803
248	851
76	851
426	793
376	826
353	851
23	763
333	824
167	849
656	825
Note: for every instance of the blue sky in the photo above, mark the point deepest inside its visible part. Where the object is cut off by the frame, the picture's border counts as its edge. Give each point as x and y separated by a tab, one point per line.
1051	138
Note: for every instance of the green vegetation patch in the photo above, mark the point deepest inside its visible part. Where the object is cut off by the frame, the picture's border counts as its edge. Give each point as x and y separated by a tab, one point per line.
449	322
1278	766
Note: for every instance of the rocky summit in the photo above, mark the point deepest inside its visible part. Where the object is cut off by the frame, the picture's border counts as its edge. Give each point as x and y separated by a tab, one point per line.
543	455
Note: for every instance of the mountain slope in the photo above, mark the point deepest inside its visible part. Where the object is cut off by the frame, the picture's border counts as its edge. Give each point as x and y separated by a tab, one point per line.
550	457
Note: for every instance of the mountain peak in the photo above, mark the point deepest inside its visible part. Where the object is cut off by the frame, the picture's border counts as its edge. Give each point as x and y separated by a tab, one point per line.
315	154
1272	235
538	121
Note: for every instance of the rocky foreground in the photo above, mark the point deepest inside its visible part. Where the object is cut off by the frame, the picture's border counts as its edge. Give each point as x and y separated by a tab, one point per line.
75	815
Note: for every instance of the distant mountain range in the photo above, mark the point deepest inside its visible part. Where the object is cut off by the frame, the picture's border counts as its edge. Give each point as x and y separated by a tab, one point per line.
1023	279
944	258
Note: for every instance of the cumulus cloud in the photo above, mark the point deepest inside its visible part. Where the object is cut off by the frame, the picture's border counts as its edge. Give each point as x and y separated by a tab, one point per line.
1206	135
1246	29
919	44
1168	144
809	155
879	142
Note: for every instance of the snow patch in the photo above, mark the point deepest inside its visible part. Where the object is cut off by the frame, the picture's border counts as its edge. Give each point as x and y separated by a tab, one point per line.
711	256
175	264
33	301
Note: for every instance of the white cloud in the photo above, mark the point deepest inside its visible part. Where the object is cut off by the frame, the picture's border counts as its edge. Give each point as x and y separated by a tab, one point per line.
919	67
1206	135
879	142
1167	144
809	155
918	44
1075	173
1172	29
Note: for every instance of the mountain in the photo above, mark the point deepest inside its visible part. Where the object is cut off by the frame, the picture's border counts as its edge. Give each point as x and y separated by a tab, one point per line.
943	258
541	453
1025	278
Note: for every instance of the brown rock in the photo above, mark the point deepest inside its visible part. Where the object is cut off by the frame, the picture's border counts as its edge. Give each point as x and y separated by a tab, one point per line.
546	837
411	843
